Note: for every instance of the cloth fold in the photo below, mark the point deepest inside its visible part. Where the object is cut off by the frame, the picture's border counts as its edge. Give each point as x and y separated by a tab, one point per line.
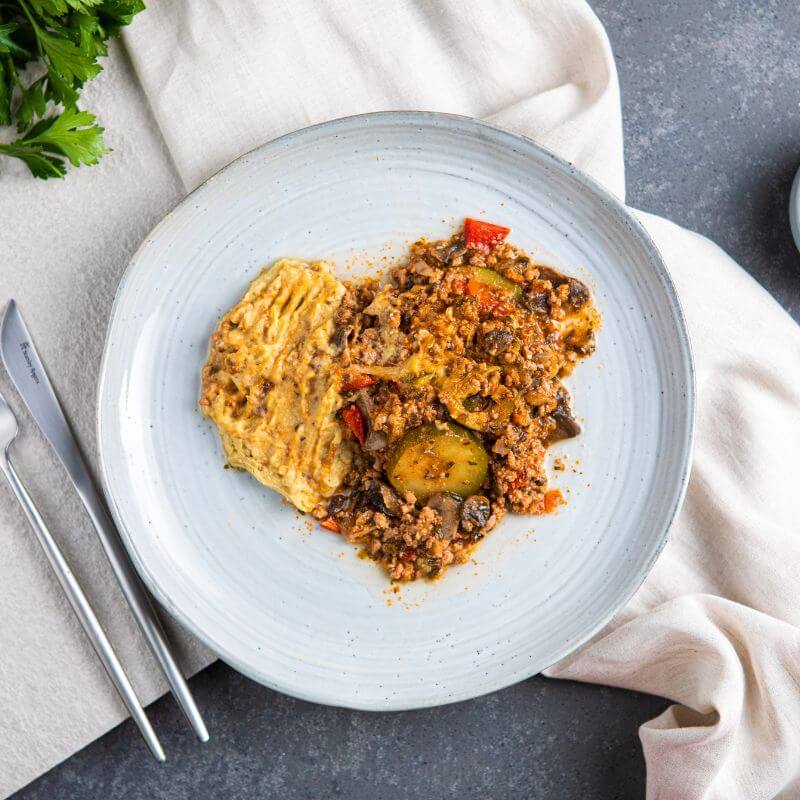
218	87
715	626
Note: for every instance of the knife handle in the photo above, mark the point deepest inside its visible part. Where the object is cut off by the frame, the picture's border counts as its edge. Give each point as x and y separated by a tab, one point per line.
83	611
137	597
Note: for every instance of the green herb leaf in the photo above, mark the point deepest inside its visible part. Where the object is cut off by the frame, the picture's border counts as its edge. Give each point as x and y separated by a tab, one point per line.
116	14
6	89
7	44
90	33
31	105
41	164
66	38
70	136
72	133
59	91
58	8
67	59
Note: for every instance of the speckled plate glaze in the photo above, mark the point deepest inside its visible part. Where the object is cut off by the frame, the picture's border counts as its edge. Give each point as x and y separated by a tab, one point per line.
794	209
295	608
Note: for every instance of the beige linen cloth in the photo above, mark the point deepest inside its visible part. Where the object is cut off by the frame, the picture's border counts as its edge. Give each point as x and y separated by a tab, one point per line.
715	626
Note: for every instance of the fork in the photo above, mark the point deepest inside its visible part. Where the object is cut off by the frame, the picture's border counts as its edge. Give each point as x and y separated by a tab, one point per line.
69	583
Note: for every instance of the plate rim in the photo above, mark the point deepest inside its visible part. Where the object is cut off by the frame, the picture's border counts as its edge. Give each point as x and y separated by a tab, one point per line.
687	449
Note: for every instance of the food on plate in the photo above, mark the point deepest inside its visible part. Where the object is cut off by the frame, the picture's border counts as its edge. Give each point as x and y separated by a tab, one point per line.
430	398
437	458
270	383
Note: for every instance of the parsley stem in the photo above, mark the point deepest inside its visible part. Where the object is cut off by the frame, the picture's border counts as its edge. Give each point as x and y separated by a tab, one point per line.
13	71
36	30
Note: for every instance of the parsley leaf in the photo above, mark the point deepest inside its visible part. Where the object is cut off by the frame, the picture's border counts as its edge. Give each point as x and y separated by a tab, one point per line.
73	133
7	44
64	57
5	93
64	39
116	14
41	164
32	105
58	8
72	136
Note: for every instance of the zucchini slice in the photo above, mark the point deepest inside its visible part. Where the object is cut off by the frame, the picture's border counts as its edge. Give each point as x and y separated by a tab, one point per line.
438	457
492	280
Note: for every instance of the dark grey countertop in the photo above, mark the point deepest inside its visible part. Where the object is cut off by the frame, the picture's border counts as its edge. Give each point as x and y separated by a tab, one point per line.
711	106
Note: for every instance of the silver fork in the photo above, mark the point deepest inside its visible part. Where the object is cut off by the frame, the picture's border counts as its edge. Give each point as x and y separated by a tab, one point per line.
69	583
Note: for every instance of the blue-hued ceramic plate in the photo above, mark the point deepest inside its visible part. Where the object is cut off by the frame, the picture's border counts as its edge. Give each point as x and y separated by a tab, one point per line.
295	608
794	209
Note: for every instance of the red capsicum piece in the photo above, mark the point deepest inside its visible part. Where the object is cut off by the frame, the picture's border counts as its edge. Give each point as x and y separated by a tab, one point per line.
483	235
354	419
487	299
358	382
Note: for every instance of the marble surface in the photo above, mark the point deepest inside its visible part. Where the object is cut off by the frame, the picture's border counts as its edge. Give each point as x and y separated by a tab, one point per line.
711	105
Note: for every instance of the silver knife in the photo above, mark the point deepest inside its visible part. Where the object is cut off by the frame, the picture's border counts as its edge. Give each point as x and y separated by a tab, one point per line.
28	374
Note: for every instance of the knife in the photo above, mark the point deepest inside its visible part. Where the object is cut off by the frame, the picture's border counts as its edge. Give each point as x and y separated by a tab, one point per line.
30	379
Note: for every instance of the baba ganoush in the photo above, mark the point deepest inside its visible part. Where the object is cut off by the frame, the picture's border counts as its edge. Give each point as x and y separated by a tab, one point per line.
411	414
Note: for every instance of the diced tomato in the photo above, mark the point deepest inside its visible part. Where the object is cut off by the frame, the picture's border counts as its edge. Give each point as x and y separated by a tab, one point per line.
552	500
331	524
476	289
483	235
408	554
459	284
487	299
354	420
358	382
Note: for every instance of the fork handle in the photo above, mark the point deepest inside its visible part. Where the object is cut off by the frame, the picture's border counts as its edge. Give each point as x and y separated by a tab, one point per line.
84	612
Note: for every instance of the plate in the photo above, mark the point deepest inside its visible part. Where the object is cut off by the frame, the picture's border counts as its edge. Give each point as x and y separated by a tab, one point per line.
294	607
794	209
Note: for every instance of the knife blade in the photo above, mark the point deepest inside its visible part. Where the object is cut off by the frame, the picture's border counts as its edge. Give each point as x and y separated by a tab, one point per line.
30	378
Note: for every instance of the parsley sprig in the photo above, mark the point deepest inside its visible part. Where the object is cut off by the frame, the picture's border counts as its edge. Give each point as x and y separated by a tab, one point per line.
48	50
